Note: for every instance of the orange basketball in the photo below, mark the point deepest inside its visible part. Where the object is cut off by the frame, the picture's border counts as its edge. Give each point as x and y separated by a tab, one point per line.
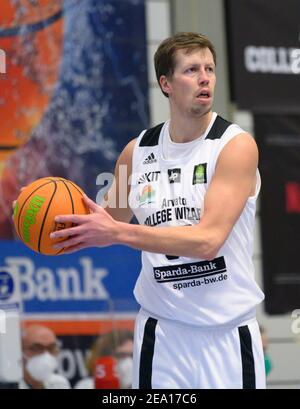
37	206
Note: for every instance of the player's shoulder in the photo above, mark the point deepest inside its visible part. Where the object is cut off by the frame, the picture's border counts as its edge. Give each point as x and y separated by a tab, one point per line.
126	154
240	149
243	140
130	145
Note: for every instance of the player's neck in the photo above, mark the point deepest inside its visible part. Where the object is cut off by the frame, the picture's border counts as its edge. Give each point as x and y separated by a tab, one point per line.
188	129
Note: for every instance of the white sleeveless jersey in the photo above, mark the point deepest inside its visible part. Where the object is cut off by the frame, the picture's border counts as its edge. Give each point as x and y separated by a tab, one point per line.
169	191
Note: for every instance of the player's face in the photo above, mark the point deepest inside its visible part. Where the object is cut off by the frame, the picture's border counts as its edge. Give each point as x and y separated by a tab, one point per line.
191	87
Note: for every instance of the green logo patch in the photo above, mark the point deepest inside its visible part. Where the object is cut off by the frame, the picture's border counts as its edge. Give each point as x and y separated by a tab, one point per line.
199	175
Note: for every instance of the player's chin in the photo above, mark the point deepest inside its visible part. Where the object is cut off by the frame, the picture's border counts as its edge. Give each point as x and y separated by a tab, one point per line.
200	110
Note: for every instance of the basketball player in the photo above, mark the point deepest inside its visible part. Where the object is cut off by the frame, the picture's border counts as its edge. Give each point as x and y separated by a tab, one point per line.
193	190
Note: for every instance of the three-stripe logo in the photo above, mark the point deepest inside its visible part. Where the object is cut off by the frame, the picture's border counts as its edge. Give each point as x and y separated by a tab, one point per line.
150	159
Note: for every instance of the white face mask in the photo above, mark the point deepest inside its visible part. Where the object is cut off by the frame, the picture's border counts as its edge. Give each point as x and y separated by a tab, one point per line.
40	367
125	367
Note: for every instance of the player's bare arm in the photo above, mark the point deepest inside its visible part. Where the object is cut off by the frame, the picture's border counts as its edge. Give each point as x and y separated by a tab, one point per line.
117	206
232	184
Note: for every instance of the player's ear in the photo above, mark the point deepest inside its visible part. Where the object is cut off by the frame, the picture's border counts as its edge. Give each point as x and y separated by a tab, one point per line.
164	83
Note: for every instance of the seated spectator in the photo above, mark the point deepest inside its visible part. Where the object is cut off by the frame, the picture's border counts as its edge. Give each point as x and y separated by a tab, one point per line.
40	350
118	345
265	343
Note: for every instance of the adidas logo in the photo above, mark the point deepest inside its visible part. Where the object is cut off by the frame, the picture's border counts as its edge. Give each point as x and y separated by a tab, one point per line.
150	159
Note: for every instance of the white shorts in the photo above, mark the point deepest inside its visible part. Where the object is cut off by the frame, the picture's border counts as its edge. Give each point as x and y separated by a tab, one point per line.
171	355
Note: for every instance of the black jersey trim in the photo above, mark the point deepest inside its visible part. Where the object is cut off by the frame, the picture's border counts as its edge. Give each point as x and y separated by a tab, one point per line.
247	358
147	352
219	127
150	137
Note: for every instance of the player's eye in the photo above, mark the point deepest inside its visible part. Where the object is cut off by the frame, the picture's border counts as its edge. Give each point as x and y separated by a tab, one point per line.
210	69
191	70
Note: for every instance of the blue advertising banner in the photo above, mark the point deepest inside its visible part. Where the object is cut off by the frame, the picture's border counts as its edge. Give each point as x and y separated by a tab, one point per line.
91	281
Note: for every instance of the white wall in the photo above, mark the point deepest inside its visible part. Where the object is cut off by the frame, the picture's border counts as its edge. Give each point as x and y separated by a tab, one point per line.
158	28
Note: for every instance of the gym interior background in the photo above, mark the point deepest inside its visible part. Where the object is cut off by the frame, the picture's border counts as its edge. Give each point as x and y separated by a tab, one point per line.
80	296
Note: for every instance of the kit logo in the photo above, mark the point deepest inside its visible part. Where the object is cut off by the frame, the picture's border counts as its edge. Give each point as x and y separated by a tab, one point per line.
174	175
149	177
150	159
199	175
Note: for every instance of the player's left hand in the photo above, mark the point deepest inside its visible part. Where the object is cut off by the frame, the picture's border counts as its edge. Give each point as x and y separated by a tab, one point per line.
97	229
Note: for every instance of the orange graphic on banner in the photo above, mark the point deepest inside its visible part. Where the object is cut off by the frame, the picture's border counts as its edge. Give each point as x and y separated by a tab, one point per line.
31	35
88	327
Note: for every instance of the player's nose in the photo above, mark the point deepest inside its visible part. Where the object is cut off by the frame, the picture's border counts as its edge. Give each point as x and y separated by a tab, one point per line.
203	78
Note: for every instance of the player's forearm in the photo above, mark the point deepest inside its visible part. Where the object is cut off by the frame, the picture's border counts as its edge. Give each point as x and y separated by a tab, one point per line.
186	241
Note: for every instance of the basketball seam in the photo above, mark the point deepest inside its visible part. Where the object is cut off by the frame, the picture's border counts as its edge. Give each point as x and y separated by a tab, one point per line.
24	203
72	202
76	187
44	219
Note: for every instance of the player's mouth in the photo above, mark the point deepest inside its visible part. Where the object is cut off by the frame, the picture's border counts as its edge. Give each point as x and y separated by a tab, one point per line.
204	94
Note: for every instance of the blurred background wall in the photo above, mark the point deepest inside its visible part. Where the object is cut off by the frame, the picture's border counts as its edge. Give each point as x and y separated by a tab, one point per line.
108	119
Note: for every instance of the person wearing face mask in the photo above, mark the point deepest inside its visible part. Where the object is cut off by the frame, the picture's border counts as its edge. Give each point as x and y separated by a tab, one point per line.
110	362
40	350
124	357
